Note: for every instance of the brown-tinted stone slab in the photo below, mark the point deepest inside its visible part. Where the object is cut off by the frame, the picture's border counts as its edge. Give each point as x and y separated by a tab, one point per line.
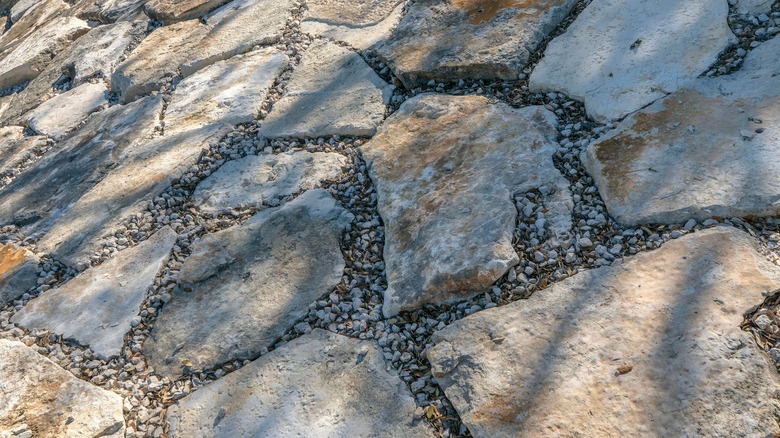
651	347
171	11
18	272
50	401
361	24
61	114
244	287
319	385
448	40
446	169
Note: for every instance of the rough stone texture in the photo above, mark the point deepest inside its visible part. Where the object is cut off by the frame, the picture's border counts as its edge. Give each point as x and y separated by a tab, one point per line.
548	365
319	385
93	55
54	402
698	153
227	92
236	28
32	21
97	307
38	196
331	92
144	170
33	55
361	24
257	179
20	7
171	11
18	272
109	11
445	170
469	39
60	115
617	64
156	60
243	287
754	7
15	148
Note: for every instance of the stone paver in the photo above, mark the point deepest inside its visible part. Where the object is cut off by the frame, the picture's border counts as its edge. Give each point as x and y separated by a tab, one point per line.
243	287
18	271
237	28
617	64
109	11
171	11
319	385
33	54
469	39
42	399
649	347
709	149
754	7
44	191
33	20
230	91
332	92
361	24
256	180
445	169
60	115
97	307
15	148
156	60
144	170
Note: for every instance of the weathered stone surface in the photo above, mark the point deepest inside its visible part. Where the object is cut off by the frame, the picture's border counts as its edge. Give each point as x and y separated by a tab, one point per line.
109	11
97	307
39	195
143	171
171	11
229	91
341	387
617	64
243	287
331	92
445	169
34	19
15	148
33	55
18	272
255	180
469	39
237	28
710	149
156	60
20	7
93	55
60	115
53	401
361	24
669	319
754	7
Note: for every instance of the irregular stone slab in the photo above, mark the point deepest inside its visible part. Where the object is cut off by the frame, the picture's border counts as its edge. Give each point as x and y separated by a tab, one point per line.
237	28
227	92
20	7
361	24
109	11
445	169
33	19
94	55
754	7
171	11
469	39
617	65
319	385
255	180
33	54
710	149
38	196
53	401
145	170
156	60
331	92
243	287
649	347
15	148
60	115
97	307
18	272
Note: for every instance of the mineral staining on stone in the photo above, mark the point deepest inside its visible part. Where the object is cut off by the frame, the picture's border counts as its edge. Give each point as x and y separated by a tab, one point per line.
446	169
18	271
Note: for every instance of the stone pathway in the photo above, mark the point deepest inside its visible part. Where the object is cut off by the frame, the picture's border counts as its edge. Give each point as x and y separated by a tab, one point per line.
444	218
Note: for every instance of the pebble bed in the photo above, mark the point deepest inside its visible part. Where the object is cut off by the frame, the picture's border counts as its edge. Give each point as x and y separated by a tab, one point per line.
353	308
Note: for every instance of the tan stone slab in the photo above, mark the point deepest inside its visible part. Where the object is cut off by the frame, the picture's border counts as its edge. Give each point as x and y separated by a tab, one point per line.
61	114
651	347
353	30
171	11
18	272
